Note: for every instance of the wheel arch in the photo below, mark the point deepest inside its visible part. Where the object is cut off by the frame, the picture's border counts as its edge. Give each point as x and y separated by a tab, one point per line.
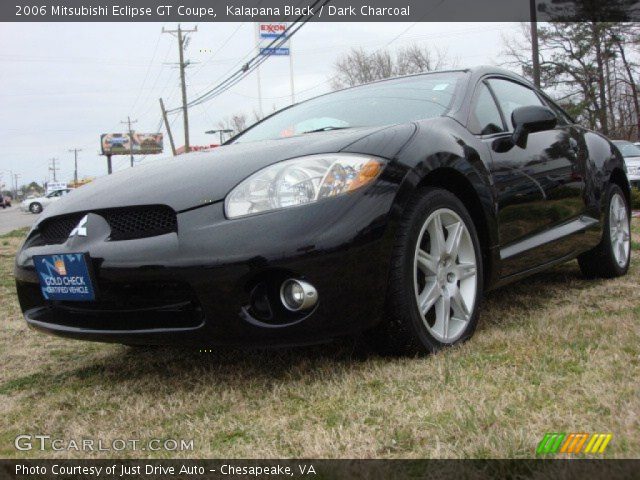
444	154
457	183
619	178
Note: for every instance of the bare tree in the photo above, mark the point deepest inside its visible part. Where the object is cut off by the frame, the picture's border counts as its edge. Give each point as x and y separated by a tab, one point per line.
416	59
237	123
587	65
358	66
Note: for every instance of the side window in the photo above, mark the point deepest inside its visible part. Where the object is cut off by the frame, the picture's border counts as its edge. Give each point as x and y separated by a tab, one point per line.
563	118
485	117
511	95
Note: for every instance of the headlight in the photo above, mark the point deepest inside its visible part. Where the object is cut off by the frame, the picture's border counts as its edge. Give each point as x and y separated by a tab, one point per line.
633	170
301	181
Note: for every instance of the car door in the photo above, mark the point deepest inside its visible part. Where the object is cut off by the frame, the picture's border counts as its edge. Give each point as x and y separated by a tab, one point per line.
539	187
52	197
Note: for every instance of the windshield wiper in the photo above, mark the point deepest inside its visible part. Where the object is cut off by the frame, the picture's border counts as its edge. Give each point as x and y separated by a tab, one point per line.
326	129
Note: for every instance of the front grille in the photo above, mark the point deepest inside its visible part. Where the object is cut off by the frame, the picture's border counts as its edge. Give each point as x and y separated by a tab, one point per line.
126	223
140	223
56	230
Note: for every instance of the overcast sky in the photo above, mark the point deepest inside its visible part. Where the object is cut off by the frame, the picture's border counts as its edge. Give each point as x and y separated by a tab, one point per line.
63	84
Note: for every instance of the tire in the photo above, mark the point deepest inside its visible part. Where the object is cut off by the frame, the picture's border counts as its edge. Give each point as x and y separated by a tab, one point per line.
416	274
611	257
35	207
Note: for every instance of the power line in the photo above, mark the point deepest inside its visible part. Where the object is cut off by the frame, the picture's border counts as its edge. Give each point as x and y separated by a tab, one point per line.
256	61
146	75
155	82
435	7
258	58
224	44
164	88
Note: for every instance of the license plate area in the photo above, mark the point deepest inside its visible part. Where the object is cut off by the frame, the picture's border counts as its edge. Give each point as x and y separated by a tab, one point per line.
65	277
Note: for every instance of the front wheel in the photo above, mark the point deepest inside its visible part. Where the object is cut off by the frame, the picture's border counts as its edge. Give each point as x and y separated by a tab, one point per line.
435	282
35	207
610	258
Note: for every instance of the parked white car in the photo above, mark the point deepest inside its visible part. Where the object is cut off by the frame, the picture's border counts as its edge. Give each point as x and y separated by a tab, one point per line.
37	204
631	154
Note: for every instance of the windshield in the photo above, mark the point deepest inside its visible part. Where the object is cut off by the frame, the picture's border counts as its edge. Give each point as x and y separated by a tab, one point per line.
628	149
385	103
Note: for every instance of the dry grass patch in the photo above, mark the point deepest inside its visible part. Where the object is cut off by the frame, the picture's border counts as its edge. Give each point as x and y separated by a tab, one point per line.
553	353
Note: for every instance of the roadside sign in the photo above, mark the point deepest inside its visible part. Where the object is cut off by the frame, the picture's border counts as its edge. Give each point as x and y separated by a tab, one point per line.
270	32
274	51
53	186
121	144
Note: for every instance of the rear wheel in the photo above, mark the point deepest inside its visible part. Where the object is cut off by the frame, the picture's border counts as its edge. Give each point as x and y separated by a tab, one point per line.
436	277
610	258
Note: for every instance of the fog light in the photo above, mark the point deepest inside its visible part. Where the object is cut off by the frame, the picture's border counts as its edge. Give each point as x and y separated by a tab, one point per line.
297	295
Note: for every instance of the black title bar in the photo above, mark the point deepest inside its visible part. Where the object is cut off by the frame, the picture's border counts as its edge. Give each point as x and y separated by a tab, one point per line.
319	10
318	469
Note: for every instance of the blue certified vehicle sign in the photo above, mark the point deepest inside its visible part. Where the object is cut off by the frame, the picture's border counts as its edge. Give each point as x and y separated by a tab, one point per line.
64	277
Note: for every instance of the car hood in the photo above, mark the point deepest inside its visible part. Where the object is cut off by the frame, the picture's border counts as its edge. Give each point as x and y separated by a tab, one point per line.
632	161
201	178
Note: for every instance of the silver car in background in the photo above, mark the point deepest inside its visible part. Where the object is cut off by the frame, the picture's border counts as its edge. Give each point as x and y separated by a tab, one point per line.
37	204
631	153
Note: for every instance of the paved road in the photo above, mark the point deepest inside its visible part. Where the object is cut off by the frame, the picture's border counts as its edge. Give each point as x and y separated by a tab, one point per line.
12	218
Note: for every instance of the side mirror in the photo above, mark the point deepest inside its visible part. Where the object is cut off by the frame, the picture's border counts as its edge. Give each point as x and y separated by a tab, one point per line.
531	119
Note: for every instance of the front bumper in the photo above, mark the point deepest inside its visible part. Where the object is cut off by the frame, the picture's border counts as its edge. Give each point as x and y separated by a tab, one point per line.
200	286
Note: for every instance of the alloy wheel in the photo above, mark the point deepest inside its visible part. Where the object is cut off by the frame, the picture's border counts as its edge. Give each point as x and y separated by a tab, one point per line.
445	272
619	227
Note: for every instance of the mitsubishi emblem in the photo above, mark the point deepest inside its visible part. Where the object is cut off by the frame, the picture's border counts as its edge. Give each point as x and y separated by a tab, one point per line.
81	228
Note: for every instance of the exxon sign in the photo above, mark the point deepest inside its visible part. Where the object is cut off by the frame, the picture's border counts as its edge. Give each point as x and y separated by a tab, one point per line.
271	30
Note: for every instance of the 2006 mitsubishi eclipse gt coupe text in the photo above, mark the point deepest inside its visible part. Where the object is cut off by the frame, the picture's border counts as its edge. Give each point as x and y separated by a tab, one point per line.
387	208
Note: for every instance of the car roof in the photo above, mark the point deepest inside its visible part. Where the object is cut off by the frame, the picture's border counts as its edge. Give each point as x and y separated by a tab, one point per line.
478	71
458	110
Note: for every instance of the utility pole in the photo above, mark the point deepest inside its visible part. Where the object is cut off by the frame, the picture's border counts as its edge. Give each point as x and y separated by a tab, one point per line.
257	33
535	54
166	124
75	164
293	95
53	168
180	35
15	190
129	122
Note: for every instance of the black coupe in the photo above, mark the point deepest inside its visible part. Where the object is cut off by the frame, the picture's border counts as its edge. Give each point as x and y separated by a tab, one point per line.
387	208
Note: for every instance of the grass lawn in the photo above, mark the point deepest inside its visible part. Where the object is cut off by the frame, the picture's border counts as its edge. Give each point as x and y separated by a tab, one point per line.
554	352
